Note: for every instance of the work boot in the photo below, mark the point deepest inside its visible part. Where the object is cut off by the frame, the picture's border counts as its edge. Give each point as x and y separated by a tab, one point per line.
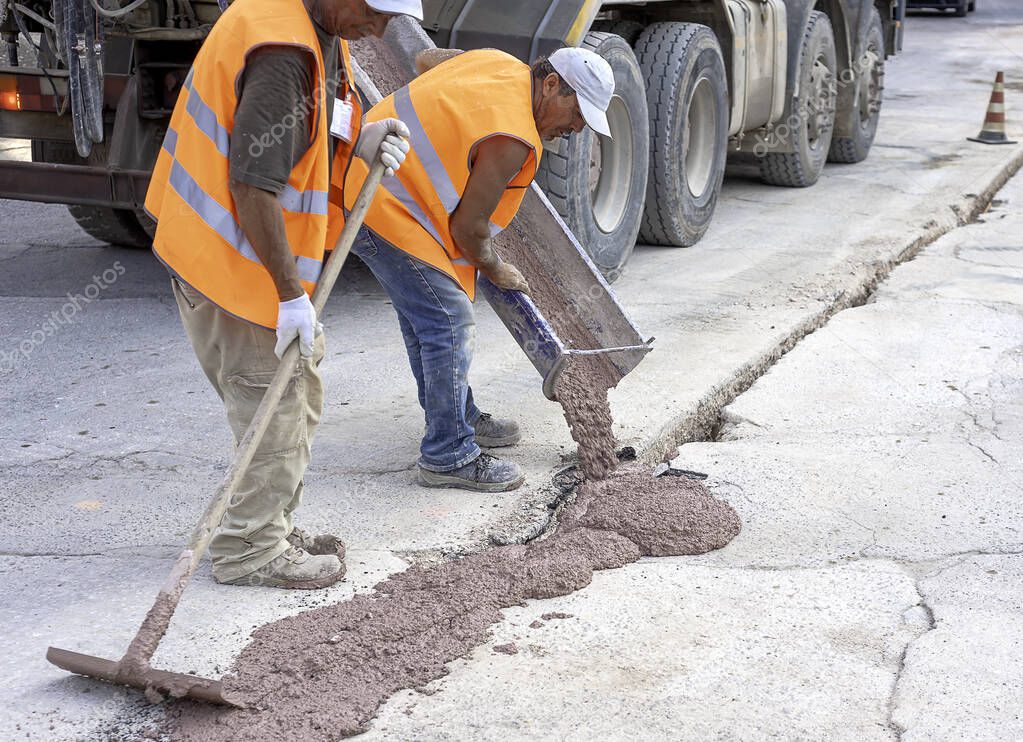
485	473
319	545
494	432
295	569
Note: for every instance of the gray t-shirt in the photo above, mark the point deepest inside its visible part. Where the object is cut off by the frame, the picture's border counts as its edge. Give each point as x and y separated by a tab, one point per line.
275	116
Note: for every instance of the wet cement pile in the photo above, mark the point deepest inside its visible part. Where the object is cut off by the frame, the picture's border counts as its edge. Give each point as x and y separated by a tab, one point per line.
323	673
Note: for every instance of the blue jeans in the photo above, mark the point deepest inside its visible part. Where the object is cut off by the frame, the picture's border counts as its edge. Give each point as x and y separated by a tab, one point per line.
437	322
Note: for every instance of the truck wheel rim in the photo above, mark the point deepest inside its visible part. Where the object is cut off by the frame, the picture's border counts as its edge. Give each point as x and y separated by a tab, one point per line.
870	91
821	104
611	168
701	127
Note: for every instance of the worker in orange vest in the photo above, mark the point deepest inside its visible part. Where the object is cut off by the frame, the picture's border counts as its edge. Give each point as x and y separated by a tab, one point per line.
477	120
247	195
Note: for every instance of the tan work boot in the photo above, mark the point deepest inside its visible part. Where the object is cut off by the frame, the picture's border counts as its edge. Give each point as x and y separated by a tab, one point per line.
494	432
323	543
485	473
295	569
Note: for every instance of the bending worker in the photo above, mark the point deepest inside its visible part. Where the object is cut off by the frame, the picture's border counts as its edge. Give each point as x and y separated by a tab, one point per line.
244	206
476	120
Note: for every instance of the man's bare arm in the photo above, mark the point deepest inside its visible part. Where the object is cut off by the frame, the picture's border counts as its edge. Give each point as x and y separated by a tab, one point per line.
261	219
498	160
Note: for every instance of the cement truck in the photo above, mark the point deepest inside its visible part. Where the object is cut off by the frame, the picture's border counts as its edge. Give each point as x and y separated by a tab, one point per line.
792	84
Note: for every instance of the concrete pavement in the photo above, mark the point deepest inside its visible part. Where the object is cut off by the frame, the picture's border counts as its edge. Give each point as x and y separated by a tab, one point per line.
112	440
875	590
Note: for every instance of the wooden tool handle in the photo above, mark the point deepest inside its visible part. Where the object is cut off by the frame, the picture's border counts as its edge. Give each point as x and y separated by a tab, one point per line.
155	624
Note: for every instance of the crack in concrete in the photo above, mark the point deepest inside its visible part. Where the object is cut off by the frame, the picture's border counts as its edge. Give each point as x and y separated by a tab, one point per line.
119	459
377	472
47	460
892	705
742	492
123	552
980	448
872	531
913	566
55	555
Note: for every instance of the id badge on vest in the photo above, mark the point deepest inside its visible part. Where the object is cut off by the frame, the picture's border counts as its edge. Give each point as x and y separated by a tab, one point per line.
341	121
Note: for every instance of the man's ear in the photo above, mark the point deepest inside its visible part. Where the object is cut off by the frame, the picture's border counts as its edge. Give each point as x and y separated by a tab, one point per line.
551	84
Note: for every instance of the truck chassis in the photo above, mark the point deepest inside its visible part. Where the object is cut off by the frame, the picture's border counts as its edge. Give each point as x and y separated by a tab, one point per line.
790	84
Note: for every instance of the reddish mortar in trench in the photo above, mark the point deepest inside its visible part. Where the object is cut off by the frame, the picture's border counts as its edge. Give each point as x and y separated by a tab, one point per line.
324	673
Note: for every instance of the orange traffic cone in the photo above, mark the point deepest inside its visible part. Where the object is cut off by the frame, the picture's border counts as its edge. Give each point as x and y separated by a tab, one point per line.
993	131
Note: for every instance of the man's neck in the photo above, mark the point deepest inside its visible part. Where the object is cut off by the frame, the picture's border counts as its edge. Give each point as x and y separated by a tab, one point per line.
313	9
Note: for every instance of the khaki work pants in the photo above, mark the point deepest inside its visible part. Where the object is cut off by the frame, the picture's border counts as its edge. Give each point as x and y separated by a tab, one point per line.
238	358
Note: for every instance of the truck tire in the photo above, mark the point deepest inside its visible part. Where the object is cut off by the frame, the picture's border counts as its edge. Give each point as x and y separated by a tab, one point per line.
687	97
597	184
628	30
862	109
962	8
121	227
811	120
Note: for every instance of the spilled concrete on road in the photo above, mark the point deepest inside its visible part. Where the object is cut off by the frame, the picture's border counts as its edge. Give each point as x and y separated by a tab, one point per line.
325	672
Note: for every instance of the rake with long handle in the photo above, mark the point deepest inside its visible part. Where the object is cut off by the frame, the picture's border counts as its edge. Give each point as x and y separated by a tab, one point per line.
133	668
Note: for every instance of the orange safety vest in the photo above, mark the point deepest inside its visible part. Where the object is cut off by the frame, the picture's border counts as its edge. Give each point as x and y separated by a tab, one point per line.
449	110
198	235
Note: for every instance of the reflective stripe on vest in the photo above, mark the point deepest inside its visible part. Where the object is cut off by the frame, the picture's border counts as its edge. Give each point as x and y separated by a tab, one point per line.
199	235
394	186
206	119
216	216
224	224
425	150
420	142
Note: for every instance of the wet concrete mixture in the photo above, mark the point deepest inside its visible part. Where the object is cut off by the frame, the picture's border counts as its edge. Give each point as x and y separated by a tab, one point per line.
581	390
322	674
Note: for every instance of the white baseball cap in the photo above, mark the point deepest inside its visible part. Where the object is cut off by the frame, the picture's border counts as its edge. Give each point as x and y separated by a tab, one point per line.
413	8
591	78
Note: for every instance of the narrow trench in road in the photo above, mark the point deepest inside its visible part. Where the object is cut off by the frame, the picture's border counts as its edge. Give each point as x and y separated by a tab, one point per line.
708	421
712	430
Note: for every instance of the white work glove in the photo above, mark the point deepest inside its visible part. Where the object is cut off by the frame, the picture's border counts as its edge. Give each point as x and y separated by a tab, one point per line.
296	318
390	137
